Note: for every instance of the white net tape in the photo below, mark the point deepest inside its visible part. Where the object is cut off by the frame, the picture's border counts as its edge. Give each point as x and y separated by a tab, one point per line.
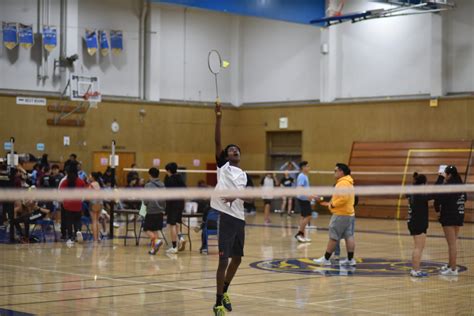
289	171
199	193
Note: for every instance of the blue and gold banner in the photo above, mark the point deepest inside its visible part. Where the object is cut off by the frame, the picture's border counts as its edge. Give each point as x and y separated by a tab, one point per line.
10	35
116	41
25	35
104	43
91	41
50	37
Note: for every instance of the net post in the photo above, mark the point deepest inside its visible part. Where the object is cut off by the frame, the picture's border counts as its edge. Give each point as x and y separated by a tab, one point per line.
112	184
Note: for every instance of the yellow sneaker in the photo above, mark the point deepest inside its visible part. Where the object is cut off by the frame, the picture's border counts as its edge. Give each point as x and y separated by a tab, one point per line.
226	302
219	310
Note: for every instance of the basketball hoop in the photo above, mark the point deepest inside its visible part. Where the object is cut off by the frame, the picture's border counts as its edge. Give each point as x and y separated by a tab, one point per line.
92	98
91	95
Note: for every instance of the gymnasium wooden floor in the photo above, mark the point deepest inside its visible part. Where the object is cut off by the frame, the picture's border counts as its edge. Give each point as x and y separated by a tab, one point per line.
110	279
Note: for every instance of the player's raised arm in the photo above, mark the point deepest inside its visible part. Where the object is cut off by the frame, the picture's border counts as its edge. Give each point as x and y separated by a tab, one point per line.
217	135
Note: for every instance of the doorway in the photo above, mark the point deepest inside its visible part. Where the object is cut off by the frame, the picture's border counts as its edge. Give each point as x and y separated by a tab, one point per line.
283	147
100	162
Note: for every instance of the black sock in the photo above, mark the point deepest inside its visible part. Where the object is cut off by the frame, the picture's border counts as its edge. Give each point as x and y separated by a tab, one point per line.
226	287
219	299
300	233
350	255
174	244
327	255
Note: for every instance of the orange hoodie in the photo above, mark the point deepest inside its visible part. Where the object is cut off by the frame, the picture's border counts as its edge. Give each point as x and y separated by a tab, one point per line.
343	205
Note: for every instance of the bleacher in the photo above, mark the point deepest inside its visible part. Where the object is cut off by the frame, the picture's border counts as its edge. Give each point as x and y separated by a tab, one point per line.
393	163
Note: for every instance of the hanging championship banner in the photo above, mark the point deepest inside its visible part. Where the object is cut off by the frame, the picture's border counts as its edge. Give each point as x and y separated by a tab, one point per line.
10	35
116	41
104	43
91	42
50	37
25	34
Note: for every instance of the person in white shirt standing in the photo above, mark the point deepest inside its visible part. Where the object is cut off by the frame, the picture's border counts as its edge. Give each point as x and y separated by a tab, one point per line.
268	182
231	216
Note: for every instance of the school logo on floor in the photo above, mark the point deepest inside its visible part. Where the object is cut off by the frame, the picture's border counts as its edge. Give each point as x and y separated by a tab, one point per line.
365	267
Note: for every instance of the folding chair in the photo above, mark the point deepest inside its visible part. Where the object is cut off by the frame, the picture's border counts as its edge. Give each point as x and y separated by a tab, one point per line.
44	223
209	230
86	221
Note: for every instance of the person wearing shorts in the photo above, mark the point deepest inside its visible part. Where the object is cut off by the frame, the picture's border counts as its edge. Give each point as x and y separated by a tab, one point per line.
417	223
154	212
174	208
268	182
451	217
341	225
231	225
303	202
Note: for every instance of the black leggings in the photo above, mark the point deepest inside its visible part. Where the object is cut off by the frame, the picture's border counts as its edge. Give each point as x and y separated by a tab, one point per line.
72	220
25	219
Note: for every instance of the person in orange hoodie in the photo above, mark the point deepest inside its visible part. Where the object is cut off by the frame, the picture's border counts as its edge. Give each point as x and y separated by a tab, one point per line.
341	225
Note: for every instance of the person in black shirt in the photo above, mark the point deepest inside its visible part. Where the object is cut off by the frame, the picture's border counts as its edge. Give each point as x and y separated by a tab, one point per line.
418	223
132	174
287	202
174	208
451	209
249	205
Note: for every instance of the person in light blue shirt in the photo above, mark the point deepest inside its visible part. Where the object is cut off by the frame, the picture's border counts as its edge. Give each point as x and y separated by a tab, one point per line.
303	202
81	173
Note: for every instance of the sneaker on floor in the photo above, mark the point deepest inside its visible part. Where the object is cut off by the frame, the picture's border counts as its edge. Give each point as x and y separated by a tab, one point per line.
219	310
306	239
322	261
181	243
444	267
172	250
300	238
226	302
156	247
347	262
449	271
69	243
418	274
116	225
79	237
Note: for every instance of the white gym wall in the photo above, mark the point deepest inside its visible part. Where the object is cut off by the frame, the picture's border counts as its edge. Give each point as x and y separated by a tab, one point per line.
271	61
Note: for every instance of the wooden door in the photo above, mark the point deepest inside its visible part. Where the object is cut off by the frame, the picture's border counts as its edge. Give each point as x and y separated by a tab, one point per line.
211	178
283	147
100	161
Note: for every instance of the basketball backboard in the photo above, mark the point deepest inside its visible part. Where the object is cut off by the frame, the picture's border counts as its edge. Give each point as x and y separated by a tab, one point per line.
84	88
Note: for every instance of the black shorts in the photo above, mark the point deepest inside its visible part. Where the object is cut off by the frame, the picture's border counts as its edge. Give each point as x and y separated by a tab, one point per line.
417	229
174	216
305	207
231	236
267	201
451	219
153	222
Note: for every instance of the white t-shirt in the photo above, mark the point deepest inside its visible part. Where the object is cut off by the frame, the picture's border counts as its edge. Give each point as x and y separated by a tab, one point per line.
230	177
268	183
